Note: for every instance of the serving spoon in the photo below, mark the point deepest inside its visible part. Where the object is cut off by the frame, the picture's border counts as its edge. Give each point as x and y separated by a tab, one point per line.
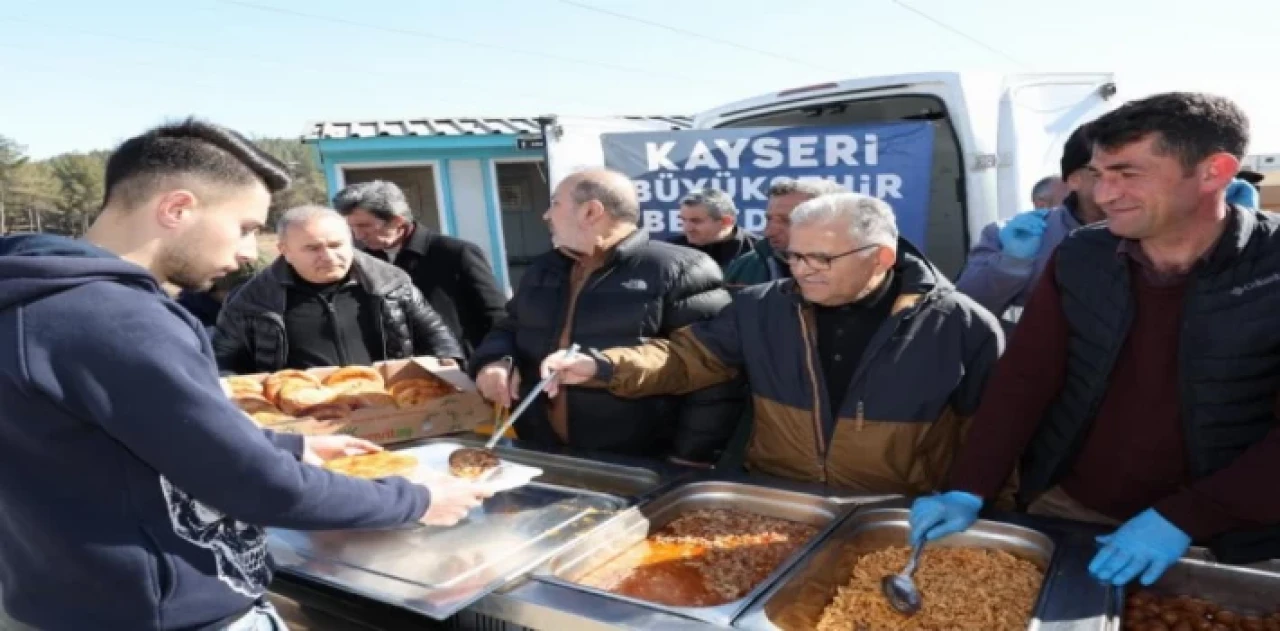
900	590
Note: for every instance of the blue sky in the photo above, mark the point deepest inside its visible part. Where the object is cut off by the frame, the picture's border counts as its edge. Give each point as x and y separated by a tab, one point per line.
81	74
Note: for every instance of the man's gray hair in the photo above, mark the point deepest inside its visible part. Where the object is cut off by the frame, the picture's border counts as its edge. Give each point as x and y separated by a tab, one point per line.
304	214
870	219
379	198
1044	189
810	187
717	202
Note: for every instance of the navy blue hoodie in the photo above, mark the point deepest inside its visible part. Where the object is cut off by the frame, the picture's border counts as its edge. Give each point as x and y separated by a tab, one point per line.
128	481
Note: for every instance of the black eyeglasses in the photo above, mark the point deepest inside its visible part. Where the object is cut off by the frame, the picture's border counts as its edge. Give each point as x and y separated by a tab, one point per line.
820	262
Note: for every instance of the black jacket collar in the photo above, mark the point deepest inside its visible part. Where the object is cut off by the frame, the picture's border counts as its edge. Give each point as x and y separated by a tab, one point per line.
624	250
1235	237
418	241
268	289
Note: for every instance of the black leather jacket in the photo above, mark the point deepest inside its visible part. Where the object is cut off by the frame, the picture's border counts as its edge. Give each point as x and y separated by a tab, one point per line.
250	336
646	289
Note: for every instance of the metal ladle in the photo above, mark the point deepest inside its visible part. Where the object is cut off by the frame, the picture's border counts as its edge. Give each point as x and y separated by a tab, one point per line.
900	590
528	400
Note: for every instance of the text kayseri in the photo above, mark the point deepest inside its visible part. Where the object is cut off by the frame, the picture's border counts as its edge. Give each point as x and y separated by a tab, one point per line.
765	152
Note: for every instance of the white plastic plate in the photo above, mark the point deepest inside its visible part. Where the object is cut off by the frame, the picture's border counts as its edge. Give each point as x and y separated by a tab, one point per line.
433	460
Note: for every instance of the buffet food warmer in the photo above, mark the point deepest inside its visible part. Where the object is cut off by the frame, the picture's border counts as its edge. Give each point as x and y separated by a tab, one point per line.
798	601
592	553
533	557
1201	594
438	571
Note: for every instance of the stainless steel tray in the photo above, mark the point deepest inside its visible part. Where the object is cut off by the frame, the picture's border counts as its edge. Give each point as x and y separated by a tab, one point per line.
578	473
631	528
796	601
1250	591
437	571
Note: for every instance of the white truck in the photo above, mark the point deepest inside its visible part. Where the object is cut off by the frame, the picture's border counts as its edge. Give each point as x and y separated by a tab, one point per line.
995	135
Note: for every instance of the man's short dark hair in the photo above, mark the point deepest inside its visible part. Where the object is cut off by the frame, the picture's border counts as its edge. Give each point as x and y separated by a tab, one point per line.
1076	152
717	203
1191	126
379	198
191	148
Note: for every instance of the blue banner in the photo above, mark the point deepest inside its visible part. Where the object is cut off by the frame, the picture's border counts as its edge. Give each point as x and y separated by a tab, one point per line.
892	161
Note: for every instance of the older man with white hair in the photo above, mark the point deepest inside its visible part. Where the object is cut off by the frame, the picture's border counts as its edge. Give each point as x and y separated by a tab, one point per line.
321	303
864	367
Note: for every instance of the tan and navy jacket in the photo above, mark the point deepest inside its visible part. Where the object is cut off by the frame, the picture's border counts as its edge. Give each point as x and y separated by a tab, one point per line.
908	403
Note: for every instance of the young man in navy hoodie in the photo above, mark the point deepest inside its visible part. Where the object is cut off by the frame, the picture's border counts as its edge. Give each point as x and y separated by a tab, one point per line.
133	493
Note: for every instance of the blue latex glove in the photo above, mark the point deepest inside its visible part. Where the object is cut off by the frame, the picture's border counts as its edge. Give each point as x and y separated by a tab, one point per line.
937	516
1146	545
1020	237
1242	193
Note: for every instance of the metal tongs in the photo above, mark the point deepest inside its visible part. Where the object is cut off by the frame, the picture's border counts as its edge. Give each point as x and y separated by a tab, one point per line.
528	400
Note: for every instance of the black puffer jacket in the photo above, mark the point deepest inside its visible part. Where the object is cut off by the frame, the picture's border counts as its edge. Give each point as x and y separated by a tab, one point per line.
646	289
251	337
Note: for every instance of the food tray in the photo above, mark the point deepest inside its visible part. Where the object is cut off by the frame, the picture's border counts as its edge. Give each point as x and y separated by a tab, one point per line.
796	602
457	412
1241	590
437	571
630	529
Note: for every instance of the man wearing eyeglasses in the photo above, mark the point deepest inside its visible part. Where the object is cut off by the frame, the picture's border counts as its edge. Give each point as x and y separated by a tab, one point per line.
762	264
863	368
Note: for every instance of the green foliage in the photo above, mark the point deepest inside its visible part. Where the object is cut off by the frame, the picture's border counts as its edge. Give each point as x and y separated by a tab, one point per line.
308	181
64	193
80	189
12	158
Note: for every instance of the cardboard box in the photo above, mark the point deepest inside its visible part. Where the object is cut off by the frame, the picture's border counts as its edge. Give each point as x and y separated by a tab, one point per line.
458	412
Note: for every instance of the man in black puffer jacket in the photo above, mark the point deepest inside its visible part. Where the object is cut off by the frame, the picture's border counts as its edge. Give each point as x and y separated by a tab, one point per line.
324	304
606	284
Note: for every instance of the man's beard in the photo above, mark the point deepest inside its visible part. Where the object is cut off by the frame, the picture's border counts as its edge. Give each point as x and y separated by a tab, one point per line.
176	266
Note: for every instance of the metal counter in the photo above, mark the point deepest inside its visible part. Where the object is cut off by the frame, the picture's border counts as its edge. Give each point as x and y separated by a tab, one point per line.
438	571
1070	600
529	603
543	596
